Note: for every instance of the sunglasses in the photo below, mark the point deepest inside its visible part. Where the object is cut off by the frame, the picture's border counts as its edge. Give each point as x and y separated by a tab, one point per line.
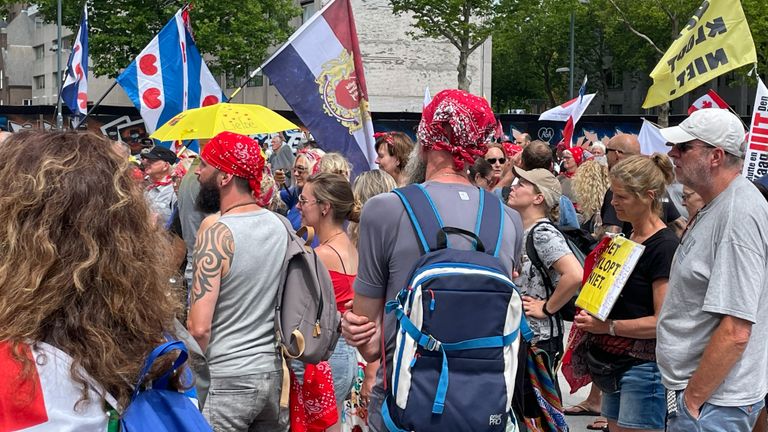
688	145
494	160
608	150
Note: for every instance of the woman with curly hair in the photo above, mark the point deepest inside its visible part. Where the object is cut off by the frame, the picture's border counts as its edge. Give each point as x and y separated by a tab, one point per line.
84	274
590	184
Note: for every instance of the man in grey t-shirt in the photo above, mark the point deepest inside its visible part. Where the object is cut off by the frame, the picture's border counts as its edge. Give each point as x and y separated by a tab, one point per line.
237	269
711	345
388	247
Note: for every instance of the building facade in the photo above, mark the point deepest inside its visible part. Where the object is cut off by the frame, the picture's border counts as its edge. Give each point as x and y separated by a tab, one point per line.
397	68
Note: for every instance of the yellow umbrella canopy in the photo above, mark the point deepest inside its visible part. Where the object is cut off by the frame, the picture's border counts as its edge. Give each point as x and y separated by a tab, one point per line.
207	122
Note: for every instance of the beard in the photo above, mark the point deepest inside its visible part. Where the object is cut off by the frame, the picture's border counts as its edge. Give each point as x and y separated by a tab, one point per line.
209	198
416	168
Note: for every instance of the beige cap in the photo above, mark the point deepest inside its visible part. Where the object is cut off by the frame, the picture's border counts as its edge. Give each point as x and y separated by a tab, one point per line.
545	181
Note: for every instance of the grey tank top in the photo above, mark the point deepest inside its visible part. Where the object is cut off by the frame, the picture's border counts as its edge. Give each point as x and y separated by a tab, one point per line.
243	330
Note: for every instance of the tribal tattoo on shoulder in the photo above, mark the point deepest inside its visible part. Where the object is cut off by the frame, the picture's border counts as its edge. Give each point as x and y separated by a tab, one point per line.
214	246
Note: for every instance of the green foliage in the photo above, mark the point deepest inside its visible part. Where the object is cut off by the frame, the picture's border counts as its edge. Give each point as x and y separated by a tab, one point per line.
236	34
466	24
532	41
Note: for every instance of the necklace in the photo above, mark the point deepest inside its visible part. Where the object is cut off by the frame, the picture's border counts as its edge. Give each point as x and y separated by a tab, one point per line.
332	237
236	206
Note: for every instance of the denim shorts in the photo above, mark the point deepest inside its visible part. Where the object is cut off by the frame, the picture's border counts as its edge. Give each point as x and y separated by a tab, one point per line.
713	417
640	402
343	363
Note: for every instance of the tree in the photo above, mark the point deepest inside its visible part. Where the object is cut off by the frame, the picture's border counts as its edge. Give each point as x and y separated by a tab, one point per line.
466	24
235	34
529	44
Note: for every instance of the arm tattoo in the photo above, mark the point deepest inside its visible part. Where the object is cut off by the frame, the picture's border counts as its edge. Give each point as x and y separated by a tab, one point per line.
214	246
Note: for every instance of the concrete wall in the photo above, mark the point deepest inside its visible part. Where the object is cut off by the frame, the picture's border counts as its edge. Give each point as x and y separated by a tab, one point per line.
397	68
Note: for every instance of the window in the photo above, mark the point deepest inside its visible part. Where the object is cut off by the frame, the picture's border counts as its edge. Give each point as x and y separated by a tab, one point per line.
307	10
257	81
39	52
615	109
26	102
614	79
39	82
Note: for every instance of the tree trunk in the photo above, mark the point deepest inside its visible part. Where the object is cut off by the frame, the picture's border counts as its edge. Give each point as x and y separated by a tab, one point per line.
663	119
462	69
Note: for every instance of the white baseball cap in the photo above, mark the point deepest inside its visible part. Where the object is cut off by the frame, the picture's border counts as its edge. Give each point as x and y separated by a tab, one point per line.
715	126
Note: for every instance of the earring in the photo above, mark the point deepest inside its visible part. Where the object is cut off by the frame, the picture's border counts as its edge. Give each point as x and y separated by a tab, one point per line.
323	213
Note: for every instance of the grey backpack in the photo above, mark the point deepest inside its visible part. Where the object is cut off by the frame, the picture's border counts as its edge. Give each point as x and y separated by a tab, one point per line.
306	319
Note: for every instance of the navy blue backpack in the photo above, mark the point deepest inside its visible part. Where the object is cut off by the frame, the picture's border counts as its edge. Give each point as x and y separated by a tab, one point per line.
457	344
161	408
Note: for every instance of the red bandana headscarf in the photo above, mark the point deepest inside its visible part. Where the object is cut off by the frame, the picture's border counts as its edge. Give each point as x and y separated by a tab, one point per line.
578	157
470	120
238	155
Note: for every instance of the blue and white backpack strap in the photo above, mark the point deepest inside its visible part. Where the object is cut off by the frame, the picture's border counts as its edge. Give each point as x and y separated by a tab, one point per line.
422	213
490	222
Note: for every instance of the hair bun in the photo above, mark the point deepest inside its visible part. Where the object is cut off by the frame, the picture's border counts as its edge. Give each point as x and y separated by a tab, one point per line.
664	163
354	213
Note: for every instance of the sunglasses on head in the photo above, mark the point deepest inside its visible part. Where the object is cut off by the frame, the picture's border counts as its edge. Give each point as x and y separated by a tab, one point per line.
494	160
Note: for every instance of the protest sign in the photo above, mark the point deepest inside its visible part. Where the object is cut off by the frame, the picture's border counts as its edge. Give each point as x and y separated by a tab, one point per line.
756	156
604	284
715	40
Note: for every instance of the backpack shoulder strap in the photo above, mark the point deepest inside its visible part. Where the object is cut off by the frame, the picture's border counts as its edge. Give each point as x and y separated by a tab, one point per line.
533	256
421	211
490	222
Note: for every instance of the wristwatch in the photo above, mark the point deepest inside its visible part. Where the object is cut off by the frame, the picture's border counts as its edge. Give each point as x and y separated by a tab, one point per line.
612	327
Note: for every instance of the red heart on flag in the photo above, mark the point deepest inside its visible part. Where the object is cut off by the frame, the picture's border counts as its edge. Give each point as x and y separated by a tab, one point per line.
151	98
82	99
210	100
147	64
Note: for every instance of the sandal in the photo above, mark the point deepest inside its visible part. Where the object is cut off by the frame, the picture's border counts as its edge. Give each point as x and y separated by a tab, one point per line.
600	424
580	409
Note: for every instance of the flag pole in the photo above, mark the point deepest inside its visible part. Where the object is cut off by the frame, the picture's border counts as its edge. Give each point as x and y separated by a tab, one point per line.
250	77
59	117
88	114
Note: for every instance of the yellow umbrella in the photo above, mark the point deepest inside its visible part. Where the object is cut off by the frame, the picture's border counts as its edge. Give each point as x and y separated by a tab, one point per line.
207	122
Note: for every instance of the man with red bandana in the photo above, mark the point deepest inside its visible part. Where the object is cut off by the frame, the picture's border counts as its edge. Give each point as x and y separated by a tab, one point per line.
454	130
234	288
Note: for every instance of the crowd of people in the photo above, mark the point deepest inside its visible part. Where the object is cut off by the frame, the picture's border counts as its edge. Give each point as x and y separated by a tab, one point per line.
109	250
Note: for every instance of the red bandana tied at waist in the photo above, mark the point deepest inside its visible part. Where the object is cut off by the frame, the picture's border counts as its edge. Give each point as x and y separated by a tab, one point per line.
238	155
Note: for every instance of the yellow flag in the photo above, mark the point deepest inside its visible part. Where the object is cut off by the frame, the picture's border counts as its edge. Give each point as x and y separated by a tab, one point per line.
715	40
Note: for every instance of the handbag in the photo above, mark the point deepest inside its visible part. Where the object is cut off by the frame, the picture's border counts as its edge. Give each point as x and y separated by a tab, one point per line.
607	369
161	408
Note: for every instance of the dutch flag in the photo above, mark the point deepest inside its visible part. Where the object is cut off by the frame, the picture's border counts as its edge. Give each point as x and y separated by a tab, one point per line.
169	76
74	91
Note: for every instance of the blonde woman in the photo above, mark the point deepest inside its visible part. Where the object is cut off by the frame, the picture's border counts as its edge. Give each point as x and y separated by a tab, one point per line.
367	185
335	163
633	396
590	184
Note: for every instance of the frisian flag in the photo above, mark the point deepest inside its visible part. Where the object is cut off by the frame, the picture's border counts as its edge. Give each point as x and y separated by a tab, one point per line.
319	73
74	91
570	112
169	76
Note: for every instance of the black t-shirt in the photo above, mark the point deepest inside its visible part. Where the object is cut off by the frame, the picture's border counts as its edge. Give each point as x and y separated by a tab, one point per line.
608	214
636	299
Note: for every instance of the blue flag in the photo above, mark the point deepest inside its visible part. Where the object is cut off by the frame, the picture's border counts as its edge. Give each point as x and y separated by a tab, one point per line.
74	91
